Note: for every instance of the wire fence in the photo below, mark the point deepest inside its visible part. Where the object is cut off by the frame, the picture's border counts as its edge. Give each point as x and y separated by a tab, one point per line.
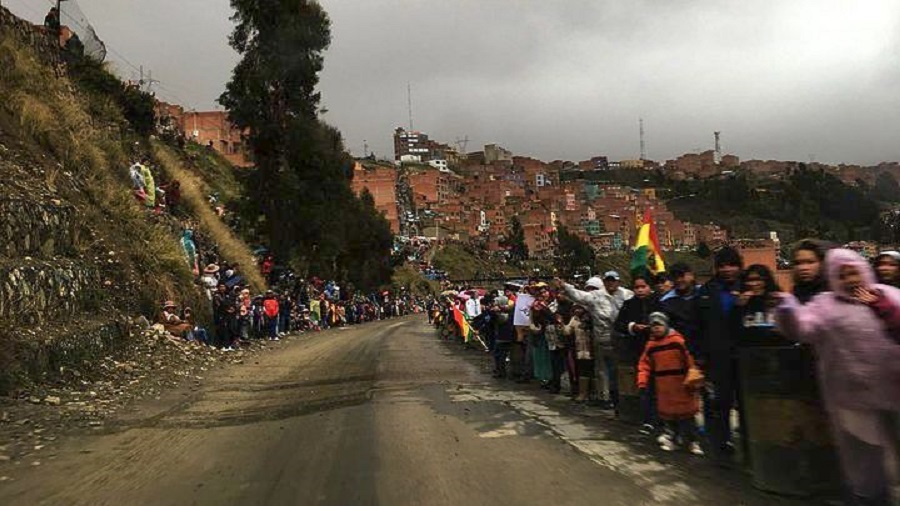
72	17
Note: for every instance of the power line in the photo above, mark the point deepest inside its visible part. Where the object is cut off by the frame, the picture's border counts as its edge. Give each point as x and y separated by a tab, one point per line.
110	48
168	91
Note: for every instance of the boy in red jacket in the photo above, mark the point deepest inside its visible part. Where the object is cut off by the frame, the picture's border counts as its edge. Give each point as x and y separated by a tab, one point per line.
271	309
666	362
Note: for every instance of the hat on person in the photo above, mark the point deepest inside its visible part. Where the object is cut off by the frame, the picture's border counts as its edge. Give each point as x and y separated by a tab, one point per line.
890	253
211	269
612	275
168	304
595	283
658	318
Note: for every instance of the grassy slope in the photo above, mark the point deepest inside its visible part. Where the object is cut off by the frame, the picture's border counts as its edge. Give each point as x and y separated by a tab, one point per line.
194	189
51	120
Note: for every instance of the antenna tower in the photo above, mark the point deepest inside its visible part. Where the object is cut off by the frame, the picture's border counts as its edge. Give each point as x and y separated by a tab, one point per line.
146	85
718	148
462	144
409	103
643	146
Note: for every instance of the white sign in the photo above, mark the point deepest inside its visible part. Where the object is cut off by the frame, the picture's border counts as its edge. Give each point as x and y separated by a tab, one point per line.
522	316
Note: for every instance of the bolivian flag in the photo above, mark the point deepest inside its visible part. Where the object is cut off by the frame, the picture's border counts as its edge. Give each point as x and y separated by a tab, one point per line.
464	328
647	257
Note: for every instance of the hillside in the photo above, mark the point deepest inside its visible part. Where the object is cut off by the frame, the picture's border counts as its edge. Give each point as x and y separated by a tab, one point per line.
801	203
80	258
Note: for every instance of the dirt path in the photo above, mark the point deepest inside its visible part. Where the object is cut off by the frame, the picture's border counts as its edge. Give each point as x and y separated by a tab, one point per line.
378	414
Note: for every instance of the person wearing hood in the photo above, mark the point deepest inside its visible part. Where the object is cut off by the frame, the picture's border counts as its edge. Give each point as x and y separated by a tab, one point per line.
807	260
716	348
666	361
137	181
602	298
149	184
887	268
190	251
854	331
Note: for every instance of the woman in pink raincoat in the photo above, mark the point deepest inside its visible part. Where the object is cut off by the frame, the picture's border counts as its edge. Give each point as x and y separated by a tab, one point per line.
854	330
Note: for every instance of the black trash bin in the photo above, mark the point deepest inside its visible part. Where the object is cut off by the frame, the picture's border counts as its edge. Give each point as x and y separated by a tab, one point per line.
789	439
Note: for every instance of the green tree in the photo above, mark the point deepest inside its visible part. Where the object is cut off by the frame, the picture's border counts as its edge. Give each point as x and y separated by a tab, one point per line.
886	188
572	253
301	187
514	241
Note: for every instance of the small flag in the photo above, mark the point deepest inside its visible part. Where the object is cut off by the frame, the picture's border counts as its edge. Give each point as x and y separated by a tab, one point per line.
464	328
647	257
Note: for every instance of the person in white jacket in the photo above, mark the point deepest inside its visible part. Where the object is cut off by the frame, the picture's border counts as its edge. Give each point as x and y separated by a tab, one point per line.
473	305
602	298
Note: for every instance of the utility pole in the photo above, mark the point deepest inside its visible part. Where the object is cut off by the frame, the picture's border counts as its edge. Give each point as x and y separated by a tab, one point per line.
718	155
409	103
150	81
643	146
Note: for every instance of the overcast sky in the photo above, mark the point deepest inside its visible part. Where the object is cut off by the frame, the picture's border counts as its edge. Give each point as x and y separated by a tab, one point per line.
565	79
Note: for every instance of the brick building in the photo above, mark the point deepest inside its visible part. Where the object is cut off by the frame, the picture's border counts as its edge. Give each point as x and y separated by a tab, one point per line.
410	146
701	165
208	128
381	182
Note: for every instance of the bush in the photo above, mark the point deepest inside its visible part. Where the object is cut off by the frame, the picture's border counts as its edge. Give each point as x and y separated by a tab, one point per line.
97	82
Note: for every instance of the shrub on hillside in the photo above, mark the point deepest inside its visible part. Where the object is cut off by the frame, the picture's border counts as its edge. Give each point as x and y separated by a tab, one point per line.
95	80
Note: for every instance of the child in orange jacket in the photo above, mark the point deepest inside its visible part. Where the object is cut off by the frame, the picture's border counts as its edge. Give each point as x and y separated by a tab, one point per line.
666	362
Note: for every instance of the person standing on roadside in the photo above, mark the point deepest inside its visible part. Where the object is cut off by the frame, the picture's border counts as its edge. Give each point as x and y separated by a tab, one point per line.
855	331
666	362
600	305
504	333
271	310
717	348
579	329
755	307
606	360
808	259
887	268
220	315
632	331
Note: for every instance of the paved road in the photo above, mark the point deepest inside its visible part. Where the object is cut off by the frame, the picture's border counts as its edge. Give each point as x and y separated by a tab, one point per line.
382	414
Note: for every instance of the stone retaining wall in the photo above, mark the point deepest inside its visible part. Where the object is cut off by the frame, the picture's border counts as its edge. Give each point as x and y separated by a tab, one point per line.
34	292
63	353
37	37
34	229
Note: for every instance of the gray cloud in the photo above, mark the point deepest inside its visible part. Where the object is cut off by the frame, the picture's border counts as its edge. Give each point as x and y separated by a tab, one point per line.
568	80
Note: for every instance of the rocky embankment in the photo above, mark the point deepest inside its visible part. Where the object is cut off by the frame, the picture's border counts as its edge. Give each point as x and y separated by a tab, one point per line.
156	364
